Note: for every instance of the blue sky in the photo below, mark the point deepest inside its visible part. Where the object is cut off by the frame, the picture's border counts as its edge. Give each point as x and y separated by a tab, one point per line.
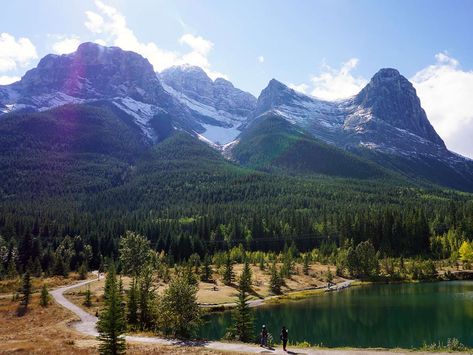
327	48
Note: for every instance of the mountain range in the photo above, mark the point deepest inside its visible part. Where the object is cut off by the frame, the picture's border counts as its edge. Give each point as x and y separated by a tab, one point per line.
100	111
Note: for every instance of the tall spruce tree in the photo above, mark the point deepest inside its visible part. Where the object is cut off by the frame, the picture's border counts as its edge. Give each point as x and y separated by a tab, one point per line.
88	297
44	298
146	299
275	281
228	275
25	292
207	269
306	266
245	278
243	327
111	324
132	305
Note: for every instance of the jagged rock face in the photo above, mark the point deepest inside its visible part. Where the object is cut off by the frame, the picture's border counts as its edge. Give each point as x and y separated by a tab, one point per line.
220	94
233	100
385	116
189	81
94	71
389	96
274	95
217	106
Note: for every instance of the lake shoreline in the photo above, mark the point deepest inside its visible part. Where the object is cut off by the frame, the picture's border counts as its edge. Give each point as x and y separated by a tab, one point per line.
297	295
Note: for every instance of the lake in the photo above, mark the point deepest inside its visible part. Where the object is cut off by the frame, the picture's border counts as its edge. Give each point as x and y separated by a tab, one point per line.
398	315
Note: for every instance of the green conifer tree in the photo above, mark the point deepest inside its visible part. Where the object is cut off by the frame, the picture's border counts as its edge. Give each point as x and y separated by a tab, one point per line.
243	327
111	324
132	304
207	269
245	278
228	275
25	292
306	266
88	297
275	281
44	298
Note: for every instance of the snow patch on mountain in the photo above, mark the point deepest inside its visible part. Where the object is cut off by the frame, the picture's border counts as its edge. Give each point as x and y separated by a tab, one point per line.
141	112
220	135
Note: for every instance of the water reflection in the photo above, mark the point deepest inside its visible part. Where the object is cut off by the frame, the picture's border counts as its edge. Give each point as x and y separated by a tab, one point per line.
403	315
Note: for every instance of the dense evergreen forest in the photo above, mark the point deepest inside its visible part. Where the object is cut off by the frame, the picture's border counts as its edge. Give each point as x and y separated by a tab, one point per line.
186	198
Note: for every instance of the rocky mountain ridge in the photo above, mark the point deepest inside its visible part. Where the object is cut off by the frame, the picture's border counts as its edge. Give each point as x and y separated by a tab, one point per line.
385	117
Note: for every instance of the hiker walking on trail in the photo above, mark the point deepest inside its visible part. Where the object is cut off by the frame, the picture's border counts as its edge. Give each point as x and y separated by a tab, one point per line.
283	336
264	336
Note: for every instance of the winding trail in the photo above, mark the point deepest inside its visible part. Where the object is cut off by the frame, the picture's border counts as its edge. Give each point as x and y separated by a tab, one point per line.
87	322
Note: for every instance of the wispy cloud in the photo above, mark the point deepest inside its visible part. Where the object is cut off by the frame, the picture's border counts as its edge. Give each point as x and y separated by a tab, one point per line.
66	44
332	84
15	53
260	59
111	27
300	87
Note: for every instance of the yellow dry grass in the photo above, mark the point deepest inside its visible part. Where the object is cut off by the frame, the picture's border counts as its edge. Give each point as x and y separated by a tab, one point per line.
45	331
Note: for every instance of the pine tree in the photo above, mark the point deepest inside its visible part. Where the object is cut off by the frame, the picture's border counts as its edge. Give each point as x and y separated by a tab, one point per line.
12	273
288	264
190	275
44	298
88	297
329	275
207	269
36	267
132	304
261	263
111	324
120	286
82	271
228	275
306	266
245	278
275	282
25	294
59	267
146	299
243	327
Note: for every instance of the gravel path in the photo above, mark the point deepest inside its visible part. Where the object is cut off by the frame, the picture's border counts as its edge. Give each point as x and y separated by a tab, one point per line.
86	325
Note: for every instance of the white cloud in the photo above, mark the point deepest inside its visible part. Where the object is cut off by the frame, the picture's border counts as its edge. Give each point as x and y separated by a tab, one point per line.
66	45
15	53
334	84
113	28
260	59
299	87
94	22
5	79
445	91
